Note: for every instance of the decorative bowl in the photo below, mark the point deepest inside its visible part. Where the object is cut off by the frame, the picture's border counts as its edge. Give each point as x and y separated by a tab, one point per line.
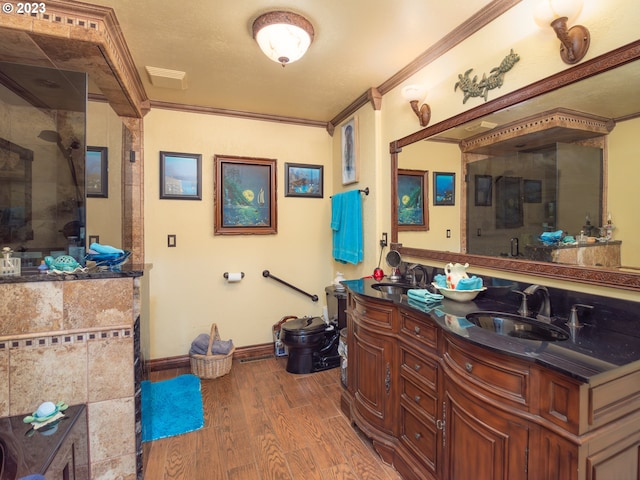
459	295
108	261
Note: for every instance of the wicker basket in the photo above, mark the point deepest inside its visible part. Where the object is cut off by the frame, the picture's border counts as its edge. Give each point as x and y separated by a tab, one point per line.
210	365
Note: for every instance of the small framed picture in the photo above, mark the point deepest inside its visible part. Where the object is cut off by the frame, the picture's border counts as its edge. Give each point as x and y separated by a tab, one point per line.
349	143
303	180
484	191
180	176
244	196
413	214
97	172
532	191
444	188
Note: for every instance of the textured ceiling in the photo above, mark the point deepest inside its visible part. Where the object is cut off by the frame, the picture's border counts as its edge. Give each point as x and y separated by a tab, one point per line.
359	44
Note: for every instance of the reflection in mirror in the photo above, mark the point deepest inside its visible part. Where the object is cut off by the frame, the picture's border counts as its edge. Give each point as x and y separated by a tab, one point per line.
43	214
601	87
513	199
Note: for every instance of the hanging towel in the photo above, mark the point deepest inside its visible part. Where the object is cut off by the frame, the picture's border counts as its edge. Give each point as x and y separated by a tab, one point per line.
346	223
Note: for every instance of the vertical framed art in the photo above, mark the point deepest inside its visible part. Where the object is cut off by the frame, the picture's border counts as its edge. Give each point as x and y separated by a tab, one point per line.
180	176
413	214
444	188
349	143
244	196
483	190
97	172
302	180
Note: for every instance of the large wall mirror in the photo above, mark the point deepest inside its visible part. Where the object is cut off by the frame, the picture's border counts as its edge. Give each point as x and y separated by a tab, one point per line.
514	188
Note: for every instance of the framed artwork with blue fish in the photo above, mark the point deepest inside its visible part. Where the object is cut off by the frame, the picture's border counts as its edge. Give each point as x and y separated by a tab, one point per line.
413	213
180	176
444	188
302	180
244	196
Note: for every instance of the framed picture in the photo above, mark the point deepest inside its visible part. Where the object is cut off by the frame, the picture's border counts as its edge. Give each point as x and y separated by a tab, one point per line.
533	191
444	188
97	171
508	202
244	196
412	200
303	180
349	142
483	190
180	176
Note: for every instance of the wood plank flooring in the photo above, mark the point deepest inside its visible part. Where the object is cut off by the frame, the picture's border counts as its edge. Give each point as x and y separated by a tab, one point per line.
264	423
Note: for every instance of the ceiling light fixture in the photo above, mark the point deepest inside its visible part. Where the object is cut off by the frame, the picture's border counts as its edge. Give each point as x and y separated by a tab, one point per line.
284	37
558	13
414	94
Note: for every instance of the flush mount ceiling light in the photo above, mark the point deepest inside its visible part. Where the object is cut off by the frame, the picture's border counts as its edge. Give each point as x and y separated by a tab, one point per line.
558	13
284	37
415	94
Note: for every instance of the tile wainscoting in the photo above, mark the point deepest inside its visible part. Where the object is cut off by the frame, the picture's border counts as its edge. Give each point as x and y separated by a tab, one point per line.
74	340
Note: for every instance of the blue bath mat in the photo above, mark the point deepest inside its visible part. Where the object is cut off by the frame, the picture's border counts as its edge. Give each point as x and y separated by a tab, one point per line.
171	407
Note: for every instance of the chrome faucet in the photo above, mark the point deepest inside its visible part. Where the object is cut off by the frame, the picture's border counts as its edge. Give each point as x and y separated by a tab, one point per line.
573	316
544	313
425	275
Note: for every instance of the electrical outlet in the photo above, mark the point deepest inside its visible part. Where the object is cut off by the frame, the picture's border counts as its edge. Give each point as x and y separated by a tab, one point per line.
448	233
171	240
383	240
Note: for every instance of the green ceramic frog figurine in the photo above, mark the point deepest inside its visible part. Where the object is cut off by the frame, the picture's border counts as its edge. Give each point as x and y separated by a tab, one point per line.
63	264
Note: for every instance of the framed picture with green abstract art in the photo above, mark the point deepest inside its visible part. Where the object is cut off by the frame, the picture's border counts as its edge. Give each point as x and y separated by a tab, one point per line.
244	196
413	214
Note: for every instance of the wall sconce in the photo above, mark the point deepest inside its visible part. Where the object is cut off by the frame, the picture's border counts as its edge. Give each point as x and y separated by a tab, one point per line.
414	94
558	13
284	37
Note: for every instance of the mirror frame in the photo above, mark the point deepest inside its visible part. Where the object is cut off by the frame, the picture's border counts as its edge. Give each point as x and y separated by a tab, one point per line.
593	276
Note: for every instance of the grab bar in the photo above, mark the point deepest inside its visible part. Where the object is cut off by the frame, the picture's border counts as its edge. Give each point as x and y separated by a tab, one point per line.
266	274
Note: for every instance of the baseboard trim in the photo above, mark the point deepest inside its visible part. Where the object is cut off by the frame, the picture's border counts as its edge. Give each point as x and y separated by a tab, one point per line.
182	361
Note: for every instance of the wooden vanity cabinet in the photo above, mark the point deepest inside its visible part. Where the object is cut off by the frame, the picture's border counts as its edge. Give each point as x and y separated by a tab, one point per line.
438	407
371	346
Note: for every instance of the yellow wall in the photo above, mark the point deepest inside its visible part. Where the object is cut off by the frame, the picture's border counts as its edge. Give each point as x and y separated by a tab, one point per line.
187	288
104	215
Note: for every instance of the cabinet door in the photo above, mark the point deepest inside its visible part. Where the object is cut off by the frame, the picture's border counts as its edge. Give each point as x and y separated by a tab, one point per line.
482	443
373	381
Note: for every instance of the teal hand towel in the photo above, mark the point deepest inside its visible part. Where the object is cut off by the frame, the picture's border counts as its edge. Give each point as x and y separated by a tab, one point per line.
440	280
423	295
346	223
96	247
472	283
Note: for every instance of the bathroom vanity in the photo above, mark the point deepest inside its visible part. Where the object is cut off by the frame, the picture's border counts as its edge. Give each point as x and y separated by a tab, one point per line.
442	398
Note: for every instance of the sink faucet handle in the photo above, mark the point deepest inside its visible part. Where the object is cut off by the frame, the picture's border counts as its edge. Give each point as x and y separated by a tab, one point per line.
524	307
573	316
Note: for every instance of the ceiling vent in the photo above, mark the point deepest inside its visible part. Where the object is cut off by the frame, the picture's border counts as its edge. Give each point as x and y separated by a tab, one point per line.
164	78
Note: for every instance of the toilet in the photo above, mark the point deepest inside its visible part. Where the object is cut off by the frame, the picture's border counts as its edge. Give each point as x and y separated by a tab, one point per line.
311	342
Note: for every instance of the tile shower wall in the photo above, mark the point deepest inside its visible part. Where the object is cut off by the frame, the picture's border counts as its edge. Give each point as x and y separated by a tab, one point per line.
73	341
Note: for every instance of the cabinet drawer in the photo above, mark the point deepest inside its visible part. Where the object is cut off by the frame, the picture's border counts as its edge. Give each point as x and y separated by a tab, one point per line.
500	376
422	330
420	437
375	314
424	399
426	369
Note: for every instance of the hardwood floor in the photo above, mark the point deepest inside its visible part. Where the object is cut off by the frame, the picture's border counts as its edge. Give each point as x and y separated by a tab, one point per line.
264	423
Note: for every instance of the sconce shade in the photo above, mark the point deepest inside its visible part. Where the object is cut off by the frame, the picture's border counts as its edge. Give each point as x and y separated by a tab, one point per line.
547	11
284	37
575	41
415	94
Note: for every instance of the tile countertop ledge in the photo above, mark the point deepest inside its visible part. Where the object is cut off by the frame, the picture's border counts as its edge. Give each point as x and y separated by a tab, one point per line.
36	276
595	355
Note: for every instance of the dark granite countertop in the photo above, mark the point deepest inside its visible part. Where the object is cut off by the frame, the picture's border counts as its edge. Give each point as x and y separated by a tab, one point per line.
91	273
28	451
591	354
